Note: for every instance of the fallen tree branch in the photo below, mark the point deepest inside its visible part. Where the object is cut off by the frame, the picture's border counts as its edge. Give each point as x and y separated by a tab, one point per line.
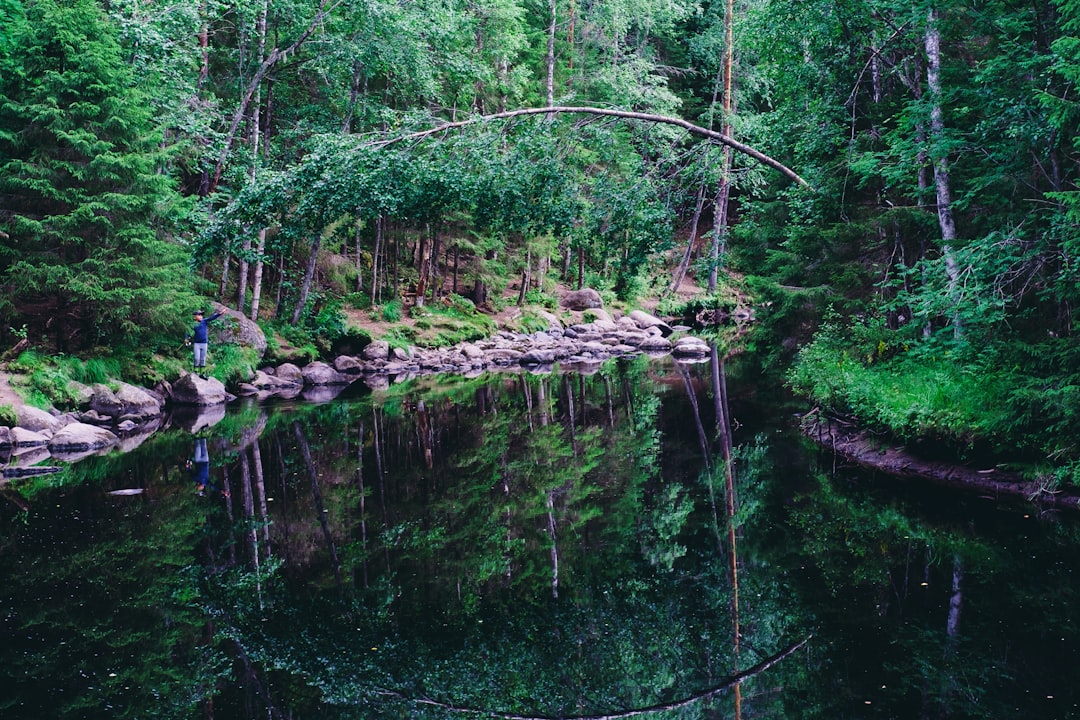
625	114
662	707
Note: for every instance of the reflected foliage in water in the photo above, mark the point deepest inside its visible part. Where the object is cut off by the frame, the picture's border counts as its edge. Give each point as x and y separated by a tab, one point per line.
540	545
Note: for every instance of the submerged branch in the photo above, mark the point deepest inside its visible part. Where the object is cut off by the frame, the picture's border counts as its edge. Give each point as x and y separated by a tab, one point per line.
625	114
662	707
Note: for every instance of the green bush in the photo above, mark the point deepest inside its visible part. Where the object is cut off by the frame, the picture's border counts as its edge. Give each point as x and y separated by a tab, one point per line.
8	416
391	311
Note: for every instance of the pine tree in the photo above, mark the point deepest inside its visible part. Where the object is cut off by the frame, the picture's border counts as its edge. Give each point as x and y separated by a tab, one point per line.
85	202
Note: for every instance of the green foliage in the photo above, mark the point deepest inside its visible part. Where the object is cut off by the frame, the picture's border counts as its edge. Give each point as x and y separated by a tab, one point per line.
391	311
8	416
86	206
1017	401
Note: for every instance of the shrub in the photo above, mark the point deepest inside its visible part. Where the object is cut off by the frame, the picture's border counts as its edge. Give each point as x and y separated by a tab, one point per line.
391	311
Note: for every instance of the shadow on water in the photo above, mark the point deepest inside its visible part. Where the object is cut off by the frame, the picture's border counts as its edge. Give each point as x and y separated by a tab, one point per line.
648	539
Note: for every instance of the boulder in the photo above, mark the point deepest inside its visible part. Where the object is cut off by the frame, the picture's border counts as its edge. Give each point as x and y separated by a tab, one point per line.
104	401
36	420
348	365
655	344
23	438
128	402
319	373
196	391
264	381
583	299
289	373
690	347
78	437
234	328
378	350
645	321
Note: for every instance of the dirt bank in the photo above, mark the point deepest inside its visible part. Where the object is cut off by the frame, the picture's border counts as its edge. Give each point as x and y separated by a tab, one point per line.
861	448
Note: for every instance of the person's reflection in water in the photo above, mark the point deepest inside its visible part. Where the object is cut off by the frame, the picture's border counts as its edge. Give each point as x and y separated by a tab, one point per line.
199	469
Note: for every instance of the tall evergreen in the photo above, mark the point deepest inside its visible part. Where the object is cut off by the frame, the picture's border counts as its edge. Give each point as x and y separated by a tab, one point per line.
85	203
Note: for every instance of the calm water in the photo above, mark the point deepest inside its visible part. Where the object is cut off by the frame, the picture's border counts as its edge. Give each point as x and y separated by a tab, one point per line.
646	536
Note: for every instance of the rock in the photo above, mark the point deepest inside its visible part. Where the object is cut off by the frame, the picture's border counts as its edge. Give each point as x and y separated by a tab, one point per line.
537	357
655	344
104	401
319	373
690	347
194	418
289	373
645	321
234	328
348	365
37	420
193	390
552	320
265	381
78	437
128	401
23	438
378	350
599	315
582	299
5	437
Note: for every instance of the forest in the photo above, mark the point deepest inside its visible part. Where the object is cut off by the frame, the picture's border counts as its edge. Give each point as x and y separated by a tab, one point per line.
892	186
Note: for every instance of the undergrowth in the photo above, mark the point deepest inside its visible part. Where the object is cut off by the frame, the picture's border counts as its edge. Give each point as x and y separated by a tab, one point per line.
1015	402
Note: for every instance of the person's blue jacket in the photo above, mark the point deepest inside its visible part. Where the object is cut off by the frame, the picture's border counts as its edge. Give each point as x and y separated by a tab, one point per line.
200	333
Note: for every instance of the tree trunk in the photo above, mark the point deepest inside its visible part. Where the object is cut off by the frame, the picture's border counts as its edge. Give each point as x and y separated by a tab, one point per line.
525	277
380	223
256	283
276	55
684	264
551	56
941	166
309	274
723	193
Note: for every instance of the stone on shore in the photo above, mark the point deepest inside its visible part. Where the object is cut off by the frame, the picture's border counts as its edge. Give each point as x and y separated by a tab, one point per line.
78	437
191	389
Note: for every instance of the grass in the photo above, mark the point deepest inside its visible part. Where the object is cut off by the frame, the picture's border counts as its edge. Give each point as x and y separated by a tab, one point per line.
1010	402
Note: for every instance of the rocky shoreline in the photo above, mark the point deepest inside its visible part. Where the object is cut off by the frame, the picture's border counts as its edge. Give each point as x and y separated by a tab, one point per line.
123	415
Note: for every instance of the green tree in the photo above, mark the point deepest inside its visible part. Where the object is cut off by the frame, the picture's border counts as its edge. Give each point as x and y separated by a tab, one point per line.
86	207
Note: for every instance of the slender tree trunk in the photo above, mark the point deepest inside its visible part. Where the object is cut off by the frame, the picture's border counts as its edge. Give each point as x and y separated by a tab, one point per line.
276	55
525	277
551	56
257	280
724	191
309	275
941	165
684	264
380	223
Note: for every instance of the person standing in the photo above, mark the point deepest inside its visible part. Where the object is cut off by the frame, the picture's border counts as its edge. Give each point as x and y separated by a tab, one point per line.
200	339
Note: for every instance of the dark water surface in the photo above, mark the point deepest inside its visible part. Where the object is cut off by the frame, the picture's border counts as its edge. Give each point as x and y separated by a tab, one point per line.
557	545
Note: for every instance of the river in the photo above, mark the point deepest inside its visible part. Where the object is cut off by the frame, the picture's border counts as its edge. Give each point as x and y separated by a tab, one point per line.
646	536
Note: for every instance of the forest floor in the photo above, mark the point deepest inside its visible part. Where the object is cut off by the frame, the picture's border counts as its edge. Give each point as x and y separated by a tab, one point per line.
505	317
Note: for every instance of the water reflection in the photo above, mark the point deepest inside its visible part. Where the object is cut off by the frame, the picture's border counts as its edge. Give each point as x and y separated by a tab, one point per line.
644	537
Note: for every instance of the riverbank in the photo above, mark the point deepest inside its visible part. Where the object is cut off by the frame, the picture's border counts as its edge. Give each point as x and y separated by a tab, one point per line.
857	446
109	415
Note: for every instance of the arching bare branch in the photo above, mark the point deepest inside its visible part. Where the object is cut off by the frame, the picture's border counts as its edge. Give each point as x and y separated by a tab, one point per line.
690	127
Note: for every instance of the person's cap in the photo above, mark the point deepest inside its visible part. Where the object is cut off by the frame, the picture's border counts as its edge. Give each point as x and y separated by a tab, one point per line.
198	312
